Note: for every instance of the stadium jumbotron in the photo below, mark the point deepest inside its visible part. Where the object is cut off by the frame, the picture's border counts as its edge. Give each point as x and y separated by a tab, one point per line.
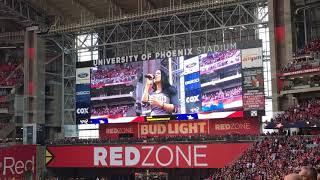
160	90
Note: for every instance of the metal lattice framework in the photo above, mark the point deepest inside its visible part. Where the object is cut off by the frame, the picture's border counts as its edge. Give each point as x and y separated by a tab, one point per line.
23	12
191	25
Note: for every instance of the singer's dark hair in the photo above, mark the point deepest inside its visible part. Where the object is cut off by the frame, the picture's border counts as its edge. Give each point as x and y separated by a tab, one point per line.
167	88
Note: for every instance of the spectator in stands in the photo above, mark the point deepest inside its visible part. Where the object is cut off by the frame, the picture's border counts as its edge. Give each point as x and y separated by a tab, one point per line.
302	63
293	176
308	173
273	157
307	110
118	74
163	99
217	60
222	94
111	111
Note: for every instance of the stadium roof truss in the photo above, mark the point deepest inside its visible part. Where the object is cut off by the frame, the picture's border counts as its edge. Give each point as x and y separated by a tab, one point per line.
23	12
187	25
196	24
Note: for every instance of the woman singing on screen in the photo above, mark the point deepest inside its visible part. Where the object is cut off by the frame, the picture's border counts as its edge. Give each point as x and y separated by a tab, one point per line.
163	99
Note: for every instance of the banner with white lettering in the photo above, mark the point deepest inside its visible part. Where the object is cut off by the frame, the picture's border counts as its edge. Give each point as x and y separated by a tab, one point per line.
174	128
192	81
237	126
118	130
83	102
147	156
181	128
17	160
193	101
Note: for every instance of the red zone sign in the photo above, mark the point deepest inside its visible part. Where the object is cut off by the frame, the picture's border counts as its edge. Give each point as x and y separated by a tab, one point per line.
16	160
147	156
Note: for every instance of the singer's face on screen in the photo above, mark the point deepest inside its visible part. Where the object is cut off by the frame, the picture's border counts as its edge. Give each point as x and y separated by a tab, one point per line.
157	76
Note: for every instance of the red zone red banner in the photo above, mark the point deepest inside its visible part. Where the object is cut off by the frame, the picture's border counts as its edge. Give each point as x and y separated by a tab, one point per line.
147	156
181	128
16	160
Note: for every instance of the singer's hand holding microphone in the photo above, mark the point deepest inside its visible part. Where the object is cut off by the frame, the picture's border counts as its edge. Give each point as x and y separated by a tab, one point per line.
150	78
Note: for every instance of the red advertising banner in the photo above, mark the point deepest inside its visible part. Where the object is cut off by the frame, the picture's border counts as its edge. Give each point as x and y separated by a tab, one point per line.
147	156
237	126
181	128
173	128
16	160
113	131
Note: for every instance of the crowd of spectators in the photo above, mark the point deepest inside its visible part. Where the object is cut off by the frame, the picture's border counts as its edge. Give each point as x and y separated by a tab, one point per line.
300	62
7	141
306	110
218	60
7	69
117	74
312	47
3	125
222	94
112	111
273	158
166	139
103	92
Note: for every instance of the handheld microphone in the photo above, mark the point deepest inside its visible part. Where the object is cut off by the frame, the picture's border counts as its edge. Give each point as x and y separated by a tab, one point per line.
149	76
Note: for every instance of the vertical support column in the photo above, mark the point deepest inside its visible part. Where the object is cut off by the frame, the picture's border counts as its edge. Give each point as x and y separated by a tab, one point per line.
62	90
280	24
273	55
68	82
34	87
288	30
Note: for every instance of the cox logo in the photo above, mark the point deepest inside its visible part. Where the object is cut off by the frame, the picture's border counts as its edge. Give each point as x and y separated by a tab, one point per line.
192	81
83	111
192	99
83	75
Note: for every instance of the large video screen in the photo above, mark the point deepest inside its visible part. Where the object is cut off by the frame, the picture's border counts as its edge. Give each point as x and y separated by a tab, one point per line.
192	83
203	83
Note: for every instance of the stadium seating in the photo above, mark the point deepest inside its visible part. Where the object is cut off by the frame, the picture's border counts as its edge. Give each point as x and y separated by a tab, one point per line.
114	111
9	69
273	158
301	63
220	95
306	110
313	46
117	75
219	60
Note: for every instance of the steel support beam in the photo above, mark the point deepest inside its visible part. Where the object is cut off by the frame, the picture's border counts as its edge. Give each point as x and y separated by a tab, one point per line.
26	13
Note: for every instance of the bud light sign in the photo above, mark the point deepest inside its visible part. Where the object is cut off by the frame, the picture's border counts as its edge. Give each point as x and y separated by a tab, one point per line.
192	81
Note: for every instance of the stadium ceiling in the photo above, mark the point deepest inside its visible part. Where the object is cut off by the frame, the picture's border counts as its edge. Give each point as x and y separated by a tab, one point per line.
15	15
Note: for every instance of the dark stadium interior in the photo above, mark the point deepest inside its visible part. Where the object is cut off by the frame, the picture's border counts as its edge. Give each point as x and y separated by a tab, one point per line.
159	89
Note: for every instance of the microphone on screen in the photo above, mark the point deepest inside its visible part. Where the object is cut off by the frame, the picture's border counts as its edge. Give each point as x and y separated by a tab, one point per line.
149	76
